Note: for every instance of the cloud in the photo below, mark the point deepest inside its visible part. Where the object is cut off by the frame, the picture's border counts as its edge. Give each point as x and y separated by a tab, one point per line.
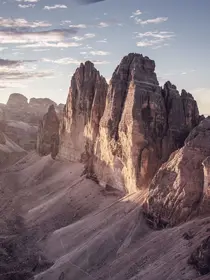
21	22
3	48
156	34
78	26
62	61
57	6
87	47
22	75
28	1
100	62
24	6
7	63
51	45
151	21
99	53
136	13
102	41
69	60
103	24
13	70
23	37
108	23
154	39
88	1
86	36
63	22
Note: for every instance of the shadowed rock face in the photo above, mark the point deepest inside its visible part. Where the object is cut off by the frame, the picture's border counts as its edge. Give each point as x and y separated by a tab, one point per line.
180	188
200	258
48	134
82	113
141	126
124	144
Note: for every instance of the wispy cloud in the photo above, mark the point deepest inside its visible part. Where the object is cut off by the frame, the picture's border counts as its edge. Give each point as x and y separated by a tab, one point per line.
102	53
13	70
86	36
8	63
154	39
21	22
102	41
136	13
103	24
25	6
50	45
62	61
41	37
64	22
54	7
156	34
100	62
151	21
78	25
28	1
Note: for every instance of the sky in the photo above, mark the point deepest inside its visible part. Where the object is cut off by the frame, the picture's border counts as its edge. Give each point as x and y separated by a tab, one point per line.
42	42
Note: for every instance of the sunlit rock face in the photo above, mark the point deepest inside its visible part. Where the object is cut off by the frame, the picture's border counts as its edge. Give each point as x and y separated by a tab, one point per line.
82	113
125	131
141	126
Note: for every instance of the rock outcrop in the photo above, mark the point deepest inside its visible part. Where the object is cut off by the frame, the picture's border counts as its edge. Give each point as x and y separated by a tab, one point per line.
19	119
17	101
82	113
200	258
48	134
180	188
142	124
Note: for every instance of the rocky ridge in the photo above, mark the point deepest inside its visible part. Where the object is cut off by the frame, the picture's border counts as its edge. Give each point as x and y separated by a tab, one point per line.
127	134
19	119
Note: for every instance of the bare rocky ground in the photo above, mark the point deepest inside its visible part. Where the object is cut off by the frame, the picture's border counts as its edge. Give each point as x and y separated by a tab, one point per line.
56	224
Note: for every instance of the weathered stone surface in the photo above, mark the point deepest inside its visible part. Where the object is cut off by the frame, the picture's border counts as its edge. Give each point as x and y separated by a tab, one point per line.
48	134
17	100
82	113
142	124
180	188
200	258
19	119
125	133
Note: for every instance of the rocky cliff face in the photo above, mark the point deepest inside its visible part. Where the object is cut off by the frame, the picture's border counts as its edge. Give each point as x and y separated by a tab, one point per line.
19	109
82	113
19	119
48	134
124	144
180	188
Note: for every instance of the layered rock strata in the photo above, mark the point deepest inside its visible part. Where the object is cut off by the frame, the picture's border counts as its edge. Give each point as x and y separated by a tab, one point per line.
48	134
124	133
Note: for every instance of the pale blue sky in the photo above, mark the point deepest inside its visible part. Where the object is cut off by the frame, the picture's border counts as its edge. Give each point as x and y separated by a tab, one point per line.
43	41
